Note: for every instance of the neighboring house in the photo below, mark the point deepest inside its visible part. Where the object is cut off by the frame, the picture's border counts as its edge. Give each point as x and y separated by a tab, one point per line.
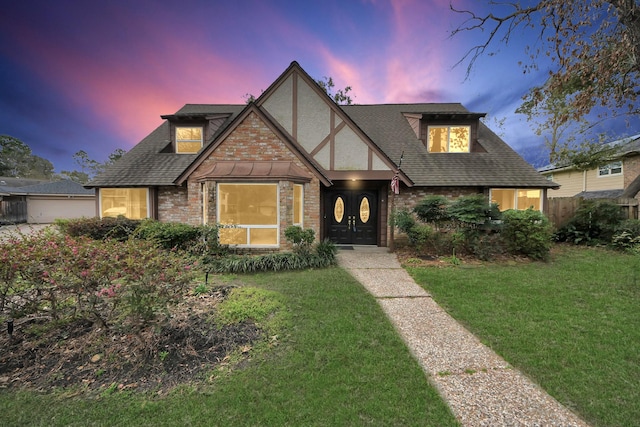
294	157
617	178
42	202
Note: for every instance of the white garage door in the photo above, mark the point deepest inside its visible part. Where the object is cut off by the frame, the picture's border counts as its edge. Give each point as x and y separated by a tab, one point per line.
44	210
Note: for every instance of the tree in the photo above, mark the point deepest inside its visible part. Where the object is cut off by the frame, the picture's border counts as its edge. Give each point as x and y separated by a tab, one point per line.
17	160
594	48
89	167
341	96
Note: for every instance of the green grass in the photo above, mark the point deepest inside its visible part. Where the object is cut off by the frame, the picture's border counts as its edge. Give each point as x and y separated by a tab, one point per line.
339	362
572	325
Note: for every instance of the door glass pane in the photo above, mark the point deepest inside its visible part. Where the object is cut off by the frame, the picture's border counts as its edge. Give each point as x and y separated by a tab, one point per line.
364	210
338	209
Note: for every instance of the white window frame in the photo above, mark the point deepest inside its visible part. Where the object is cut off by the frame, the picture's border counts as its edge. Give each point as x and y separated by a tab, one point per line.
607	169
204	191
449	138
248	227
201	140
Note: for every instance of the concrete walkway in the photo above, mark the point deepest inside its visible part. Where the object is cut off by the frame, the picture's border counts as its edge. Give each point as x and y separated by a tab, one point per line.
479	386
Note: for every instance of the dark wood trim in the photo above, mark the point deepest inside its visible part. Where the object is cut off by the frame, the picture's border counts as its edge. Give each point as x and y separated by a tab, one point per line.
294	106
362	175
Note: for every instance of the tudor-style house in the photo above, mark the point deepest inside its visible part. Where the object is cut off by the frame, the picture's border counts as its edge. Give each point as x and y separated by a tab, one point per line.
294	157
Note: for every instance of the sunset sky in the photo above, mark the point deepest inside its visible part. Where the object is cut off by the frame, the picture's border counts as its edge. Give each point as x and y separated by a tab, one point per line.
96	76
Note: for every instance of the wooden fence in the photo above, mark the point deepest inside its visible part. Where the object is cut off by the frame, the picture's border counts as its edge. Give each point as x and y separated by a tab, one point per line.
13	211
561	209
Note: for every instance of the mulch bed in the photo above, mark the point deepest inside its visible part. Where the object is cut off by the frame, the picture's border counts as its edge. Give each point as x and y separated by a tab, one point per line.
43	356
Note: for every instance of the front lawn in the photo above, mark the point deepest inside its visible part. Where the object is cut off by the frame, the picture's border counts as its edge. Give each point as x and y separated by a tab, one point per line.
338	361
572	325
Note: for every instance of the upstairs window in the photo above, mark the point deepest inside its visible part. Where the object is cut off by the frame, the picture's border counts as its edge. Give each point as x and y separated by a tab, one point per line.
188	140
613	168
449	139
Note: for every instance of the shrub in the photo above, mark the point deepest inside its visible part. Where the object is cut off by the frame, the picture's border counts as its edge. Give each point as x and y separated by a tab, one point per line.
527	233
627	236
300	239
324	256
432	209
119	228
114	283
403	220
473	211
595	221
169	235
327	250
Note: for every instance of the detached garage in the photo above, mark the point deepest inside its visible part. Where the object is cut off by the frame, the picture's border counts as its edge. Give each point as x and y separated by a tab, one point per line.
48	201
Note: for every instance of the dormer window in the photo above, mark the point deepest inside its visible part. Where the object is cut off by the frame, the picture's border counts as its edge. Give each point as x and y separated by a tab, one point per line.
449	139
188	140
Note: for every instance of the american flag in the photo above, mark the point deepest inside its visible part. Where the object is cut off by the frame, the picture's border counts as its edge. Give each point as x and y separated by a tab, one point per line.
395	185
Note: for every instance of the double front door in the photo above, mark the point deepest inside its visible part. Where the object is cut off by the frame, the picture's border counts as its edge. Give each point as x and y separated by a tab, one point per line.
351	216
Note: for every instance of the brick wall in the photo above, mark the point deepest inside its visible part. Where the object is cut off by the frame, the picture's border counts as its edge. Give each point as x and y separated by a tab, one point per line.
409	197
252	140
172	205
631	170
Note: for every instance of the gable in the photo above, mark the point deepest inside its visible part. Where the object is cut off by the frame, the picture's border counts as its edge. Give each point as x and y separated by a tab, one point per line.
251	140
319	126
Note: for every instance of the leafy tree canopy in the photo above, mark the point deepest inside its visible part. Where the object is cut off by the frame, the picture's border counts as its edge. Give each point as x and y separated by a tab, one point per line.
17	160
594	49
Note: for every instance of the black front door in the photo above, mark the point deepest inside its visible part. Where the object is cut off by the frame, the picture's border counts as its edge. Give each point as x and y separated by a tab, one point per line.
351	217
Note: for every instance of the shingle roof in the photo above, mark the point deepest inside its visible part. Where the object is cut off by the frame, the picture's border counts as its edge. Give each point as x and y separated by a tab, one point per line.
500	166
64	187
147	165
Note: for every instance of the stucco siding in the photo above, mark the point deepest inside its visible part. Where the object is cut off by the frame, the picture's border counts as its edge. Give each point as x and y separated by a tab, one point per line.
351	153
314	117
280	104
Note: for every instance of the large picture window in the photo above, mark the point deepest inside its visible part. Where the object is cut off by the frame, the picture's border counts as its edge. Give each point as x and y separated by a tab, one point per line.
132	203
251	212
449	139
188	140
520	199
